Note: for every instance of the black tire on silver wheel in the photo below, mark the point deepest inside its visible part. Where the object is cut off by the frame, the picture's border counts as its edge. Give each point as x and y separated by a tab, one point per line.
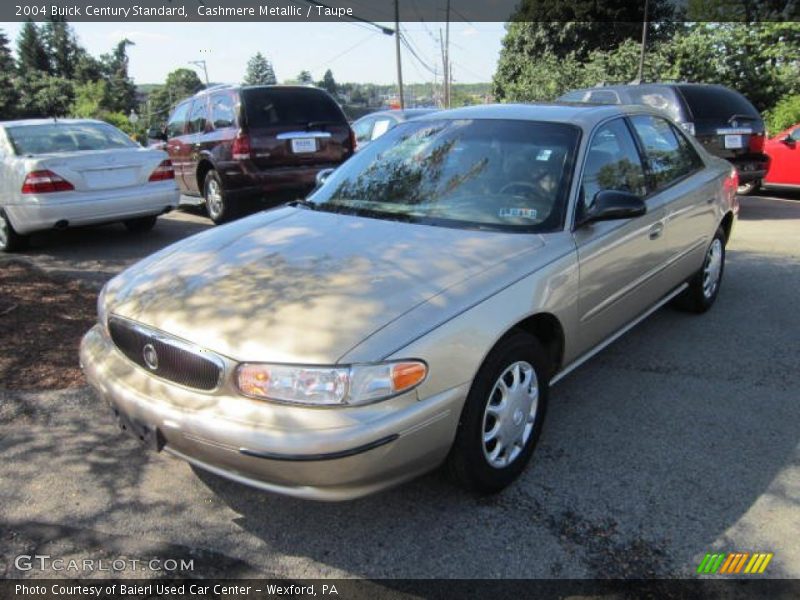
141	225
746	189
10	240
218	206
704	285
502	416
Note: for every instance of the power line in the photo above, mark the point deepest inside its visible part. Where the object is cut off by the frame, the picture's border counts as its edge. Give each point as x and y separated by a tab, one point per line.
330	61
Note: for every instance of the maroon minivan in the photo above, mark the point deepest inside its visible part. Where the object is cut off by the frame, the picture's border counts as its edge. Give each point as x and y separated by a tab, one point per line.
231	145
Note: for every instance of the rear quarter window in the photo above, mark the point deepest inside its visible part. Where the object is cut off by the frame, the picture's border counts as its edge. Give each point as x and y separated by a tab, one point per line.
266	107
662	98
717	103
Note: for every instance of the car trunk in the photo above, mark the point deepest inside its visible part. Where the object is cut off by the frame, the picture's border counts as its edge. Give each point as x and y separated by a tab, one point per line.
294	127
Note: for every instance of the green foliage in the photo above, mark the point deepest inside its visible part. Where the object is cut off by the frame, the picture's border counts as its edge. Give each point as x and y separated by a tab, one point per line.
180	84
785	114
305	78
259	71
62	48
43	95
121	96
31	51
89	99
328	83
6	59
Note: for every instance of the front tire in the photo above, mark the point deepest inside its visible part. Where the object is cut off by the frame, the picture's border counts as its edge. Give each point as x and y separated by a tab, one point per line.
502	416
704	285
218	205
10	240
141	225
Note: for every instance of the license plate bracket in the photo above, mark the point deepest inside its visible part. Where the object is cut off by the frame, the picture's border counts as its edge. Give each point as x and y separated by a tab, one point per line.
150	437
304	145
734	141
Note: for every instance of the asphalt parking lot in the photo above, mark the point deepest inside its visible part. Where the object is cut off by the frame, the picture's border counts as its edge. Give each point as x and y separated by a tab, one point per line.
682	438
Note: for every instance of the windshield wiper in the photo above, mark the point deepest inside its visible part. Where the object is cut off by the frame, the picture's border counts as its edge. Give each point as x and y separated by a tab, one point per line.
301	203
742	117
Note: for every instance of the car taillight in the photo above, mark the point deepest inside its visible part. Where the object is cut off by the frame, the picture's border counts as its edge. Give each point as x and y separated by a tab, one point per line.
163	172
353	141
756	142
241	147
731	184
45	182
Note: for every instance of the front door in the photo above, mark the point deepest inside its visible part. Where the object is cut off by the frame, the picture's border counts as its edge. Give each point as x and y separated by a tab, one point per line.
784	156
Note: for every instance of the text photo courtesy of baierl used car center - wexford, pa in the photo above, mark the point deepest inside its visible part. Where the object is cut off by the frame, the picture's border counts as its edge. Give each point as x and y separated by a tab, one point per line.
399	299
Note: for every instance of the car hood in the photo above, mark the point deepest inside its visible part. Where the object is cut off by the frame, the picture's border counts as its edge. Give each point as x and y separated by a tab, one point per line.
301	286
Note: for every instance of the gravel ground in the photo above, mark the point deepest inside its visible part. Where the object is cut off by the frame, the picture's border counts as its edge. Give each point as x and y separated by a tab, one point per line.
680	439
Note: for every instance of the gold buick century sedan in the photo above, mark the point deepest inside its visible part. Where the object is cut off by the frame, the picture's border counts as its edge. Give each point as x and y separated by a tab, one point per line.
415	309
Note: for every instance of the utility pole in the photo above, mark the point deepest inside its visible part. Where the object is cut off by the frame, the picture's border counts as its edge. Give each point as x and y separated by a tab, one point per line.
397	47
447	52
640	76
444	70
201	63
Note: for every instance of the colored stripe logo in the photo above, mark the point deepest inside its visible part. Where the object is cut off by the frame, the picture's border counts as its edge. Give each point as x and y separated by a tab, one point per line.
735	563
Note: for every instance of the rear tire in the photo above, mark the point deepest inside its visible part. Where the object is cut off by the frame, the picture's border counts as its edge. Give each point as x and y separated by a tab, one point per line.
141	225
704	285
218	205
10	240
502	416
749	188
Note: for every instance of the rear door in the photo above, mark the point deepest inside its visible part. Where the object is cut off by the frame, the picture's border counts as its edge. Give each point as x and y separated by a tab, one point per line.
725	122
295	127
178	147
196	128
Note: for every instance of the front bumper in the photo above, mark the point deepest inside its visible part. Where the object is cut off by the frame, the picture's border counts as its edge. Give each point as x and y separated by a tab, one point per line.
321	454
38	213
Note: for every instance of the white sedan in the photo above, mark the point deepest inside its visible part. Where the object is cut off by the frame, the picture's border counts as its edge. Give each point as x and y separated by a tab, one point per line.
58	173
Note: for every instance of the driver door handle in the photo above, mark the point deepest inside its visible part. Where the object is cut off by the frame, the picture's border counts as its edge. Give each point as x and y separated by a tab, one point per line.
656	230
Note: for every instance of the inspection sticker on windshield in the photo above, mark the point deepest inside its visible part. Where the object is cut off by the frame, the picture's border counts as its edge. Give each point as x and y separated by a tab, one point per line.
544	155
513	213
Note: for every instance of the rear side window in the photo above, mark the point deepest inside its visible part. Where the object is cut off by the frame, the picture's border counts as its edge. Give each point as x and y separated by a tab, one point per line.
177	122
223	111
199	116
668	157
662	98
708	102
267	107
363	129
592	97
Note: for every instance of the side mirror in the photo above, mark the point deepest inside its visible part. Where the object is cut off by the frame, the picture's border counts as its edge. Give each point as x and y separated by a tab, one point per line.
156	133
322	176
610	205
788	140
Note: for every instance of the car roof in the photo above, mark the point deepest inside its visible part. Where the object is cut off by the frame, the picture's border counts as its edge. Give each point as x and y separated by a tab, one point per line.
585	115
21	122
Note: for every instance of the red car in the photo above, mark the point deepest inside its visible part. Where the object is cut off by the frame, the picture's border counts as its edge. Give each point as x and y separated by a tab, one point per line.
783	151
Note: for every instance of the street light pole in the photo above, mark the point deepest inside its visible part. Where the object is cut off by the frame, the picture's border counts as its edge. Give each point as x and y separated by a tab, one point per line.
644	43
397	49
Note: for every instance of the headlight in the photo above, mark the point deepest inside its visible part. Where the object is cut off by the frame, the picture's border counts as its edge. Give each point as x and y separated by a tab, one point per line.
102	311
329	386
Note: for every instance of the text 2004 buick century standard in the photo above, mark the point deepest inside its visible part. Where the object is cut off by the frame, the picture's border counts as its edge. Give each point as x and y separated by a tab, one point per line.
415	309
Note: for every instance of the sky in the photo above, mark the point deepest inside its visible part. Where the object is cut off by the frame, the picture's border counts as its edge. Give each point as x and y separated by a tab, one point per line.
354	52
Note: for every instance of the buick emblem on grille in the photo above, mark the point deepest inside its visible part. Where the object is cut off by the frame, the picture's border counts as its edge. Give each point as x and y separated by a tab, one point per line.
150	357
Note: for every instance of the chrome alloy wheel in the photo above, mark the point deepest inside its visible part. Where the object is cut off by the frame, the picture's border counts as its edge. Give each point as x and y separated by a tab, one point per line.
510	414
712	269
214	201
5	234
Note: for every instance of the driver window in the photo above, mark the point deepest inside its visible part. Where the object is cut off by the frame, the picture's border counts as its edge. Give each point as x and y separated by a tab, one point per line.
612	163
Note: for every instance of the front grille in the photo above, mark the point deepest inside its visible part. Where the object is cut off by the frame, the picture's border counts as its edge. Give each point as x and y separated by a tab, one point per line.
175	361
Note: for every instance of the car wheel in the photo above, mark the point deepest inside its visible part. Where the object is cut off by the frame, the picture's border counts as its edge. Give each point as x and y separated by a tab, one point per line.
502	416
746	189
10	240
704	285
141	225
218	207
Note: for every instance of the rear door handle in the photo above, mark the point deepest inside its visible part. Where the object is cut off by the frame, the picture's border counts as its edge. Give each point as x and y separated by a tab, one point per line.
656	231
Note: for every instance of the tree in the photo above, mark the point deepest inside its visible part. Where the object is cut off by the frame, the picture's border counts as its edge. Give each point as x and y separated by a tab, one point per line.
180	84
8	93
328	83
42	95
305	78
121	96
62	47
259	71
785	114
31	52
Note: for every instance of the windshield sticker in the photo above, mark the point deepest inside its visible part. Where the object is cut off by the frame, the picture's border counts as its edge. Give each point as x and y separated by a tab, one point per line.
514	213
544	155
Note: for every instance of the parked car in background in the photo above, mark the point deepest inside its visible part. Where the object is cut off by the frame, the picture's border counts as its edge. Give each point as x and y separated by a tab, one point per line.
415	309
723	120
783	151
231	145
58	173
374	125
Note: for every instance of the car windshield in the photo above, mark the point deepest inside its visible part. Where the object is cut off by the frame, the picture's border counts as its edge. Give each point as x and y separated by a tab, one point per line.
487	173
54	138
